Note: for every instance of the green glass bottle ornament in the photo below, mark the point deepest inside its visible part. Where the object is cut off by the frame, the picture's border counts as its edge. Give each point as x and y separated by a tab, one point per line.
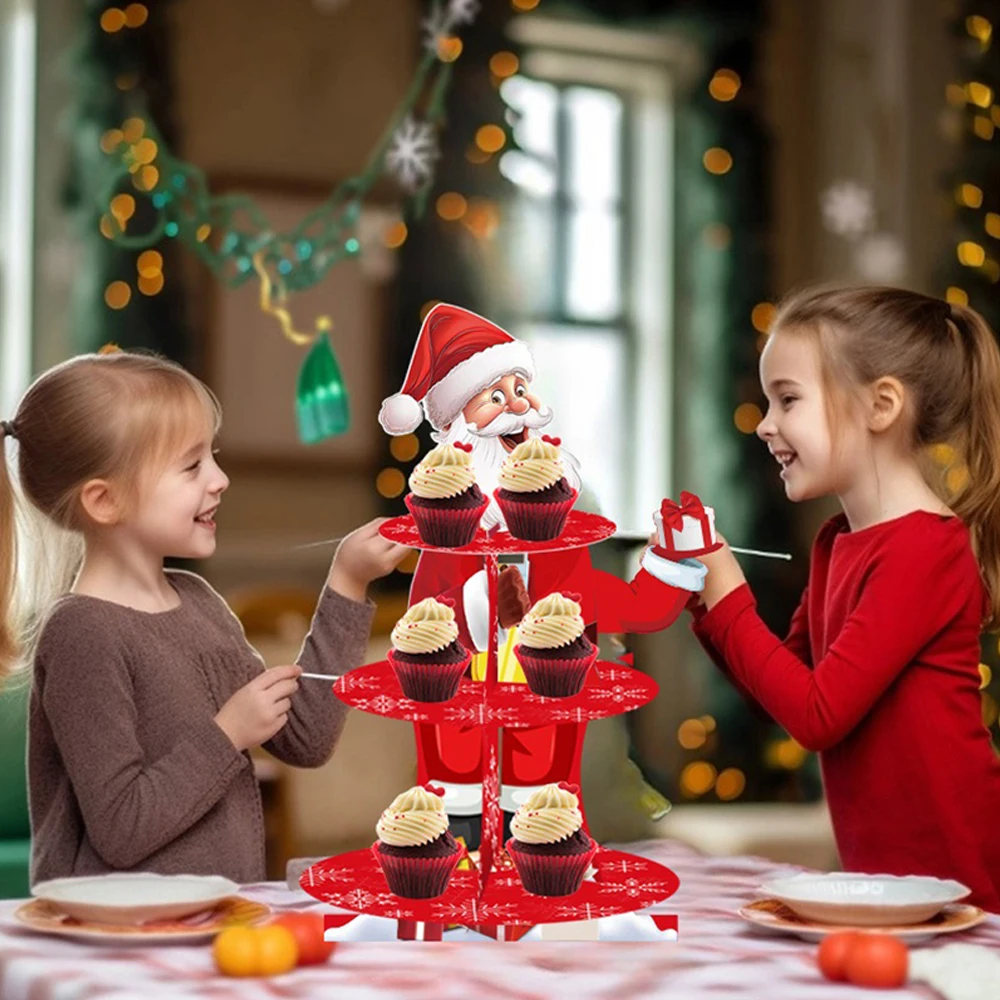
321	406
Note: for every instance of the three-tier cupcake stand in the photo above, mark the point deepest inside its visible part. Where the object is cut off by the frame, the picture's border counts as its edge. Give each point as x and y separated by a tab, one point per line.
490	899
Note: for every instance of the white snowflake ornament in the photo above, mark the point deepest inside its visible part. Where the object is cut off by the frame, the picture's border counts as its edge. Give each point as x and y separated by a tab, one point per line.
848	209
881	259
412	153
444	18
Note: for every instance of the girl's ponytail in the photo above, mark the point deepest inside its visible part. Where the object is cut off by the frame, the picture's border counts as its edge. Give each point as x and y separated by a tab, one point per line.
8	561
978	502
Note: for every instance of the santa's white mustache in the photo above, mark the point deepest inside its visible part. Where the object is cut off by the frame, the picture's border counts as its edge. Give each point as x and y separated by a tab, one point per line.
511	423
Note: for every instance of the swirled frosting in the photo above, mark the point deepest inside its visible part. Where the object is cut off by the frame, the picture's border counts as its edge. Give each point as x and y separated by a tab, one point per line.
550	815
533	465
553	621
445	471
425	628
413	818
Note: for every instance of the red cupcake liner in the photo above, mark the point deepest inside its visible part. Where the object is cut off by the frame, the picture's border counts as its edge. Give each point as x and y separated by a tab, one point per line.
553	678
417	877
551	874
535	522
448	527
428	681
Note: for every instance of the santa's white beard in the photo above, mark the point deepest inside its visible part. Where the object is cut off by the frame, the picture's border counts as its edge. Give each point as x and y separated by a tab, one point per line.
489	453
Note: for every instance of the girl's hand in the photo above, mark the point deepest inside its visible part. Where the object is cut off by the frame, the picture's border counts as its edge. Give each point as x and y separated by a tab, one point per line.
259	709
724	574
364	555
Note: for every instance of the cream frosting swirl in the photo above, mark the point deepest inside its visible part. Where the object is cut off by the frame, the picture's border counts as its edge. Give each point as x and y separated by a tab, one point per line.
532	466
425	628
550	815
445	471
413	818
553	621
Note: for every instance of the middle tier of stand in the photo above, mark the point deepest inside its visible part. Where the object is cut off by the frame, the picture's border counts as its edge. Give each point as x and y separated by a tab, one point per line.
622	883
610	689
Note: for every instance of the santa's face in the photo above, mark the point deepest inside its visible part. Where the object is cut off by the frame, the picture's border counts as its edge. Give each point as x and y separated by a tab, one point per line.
494	422
503	410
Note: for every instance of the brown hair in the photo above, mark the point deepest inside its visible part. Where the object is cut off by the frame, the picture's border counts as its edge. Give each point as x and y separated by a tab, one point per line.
947	357
115	416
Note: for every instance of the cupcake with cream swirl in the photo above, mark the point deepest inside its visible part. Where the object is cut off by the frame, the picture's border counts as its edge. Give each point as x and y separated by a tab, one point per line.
415	848
444	499
549	847
533	496
426	656
553	650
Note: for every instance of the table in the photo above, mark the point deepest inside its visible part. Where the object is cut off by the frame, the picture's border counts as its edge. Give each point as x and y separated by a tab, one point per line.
717	956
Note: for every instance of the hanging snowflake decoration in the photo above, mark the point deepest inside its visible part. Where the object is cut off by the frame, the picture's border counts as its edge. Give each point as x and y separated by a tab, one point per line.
444	19
848	209
412	153
881	258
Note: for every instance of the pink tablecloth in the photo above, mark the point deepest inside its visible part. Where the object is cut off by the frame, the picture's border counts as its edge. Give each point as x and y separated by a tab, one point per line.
717	956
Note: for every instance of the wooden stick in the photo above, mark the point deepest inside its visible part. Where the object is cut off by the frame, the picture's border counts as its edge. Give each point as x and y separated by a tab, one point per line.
758	552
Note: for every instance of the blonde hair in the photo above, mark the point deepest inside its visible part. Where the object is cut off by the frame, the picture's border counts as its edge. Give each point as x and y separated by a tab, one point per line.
115	416
947	358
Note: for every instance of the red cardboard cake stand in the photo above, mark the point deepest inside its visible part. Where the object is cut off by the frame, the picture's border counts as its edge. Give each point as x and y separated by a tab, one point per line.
492	900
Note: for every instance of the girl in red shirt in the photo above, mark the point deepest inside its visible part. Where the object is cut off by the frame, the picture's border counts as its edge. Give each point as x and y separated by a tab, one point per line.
879	672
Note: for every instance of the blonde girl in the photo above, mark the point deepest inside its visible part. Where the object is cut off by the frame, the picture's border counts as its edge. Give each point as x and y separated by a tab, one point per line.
146	697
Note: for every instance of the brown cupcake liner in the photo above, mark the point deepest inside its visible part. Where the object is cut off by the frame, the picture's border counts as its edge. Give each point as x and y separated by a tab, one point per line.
551	874
428	681
553	678
535	522
447	527
417	877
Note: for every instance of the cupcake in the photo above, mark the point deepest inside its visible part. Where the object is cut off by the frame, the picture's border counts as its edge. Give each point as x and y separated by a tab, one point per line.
548	845
445	501
534	497
553	652
426	656
415	848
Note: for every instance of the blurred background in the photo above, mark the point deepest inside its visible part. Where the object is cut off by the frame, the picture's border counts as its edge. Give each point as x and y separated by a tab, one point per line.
628	185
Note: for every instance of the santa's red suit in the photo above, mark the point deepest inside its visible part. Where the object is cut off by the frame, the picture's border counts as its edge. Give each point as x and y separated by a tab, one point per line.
452	754
459	354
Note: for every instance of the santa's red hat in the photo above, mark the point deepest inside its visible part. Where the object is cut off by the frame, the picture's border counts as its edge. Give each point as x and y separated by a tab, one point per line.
457	355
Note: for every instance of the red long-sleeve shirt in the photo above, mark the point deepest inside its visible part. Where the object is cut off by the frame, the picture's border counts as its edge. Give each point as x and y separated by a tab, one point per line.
879	673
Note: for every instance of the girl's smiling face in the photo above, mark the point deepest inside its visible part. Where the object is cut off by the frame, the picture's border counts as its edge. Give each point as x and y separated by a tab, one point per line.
796	427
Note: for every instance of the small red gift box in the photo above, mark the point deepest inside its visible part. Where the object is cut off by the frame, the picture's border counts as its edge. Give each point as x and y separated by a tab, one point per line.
418	930
685	529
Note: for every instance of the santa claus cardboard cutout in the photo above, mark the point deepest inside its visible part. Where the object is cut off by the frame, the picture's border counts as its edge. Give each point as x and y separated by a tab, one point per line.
472	382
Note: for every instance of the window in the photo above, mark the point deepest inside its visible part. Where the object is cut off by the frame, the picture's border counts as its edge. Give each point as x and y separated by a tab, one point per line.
589	250
17	104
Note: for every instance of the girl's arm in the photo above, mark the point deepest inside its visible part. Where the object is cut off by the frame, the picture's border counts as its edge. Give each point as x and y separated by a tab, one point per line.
336	643
910	595
796	642
131	806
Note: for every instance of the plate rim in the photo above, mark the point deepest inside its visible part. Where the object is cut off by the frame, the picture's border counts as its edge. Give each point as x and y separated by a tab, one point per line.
750	914
119	936
771	888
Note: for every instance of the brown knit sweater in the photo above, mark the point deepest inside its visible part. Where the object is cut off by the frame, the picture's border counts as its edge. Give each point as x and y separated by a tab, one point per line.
127	769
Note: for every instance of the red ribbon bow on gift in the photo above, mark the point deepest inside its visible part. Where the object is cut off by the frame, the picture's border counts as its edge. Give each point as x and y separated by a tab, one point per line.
673	514
551	440
572	789
462	447
433	789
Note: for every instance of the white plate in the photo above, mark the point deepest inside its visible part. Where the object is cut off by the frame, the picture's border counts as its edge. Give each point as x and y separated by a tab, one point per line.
773	916
134	898
865	900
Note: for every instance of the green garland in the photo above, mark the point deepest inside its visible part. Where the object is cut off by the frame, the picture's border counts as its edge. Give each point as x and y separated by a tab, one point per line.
146	194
